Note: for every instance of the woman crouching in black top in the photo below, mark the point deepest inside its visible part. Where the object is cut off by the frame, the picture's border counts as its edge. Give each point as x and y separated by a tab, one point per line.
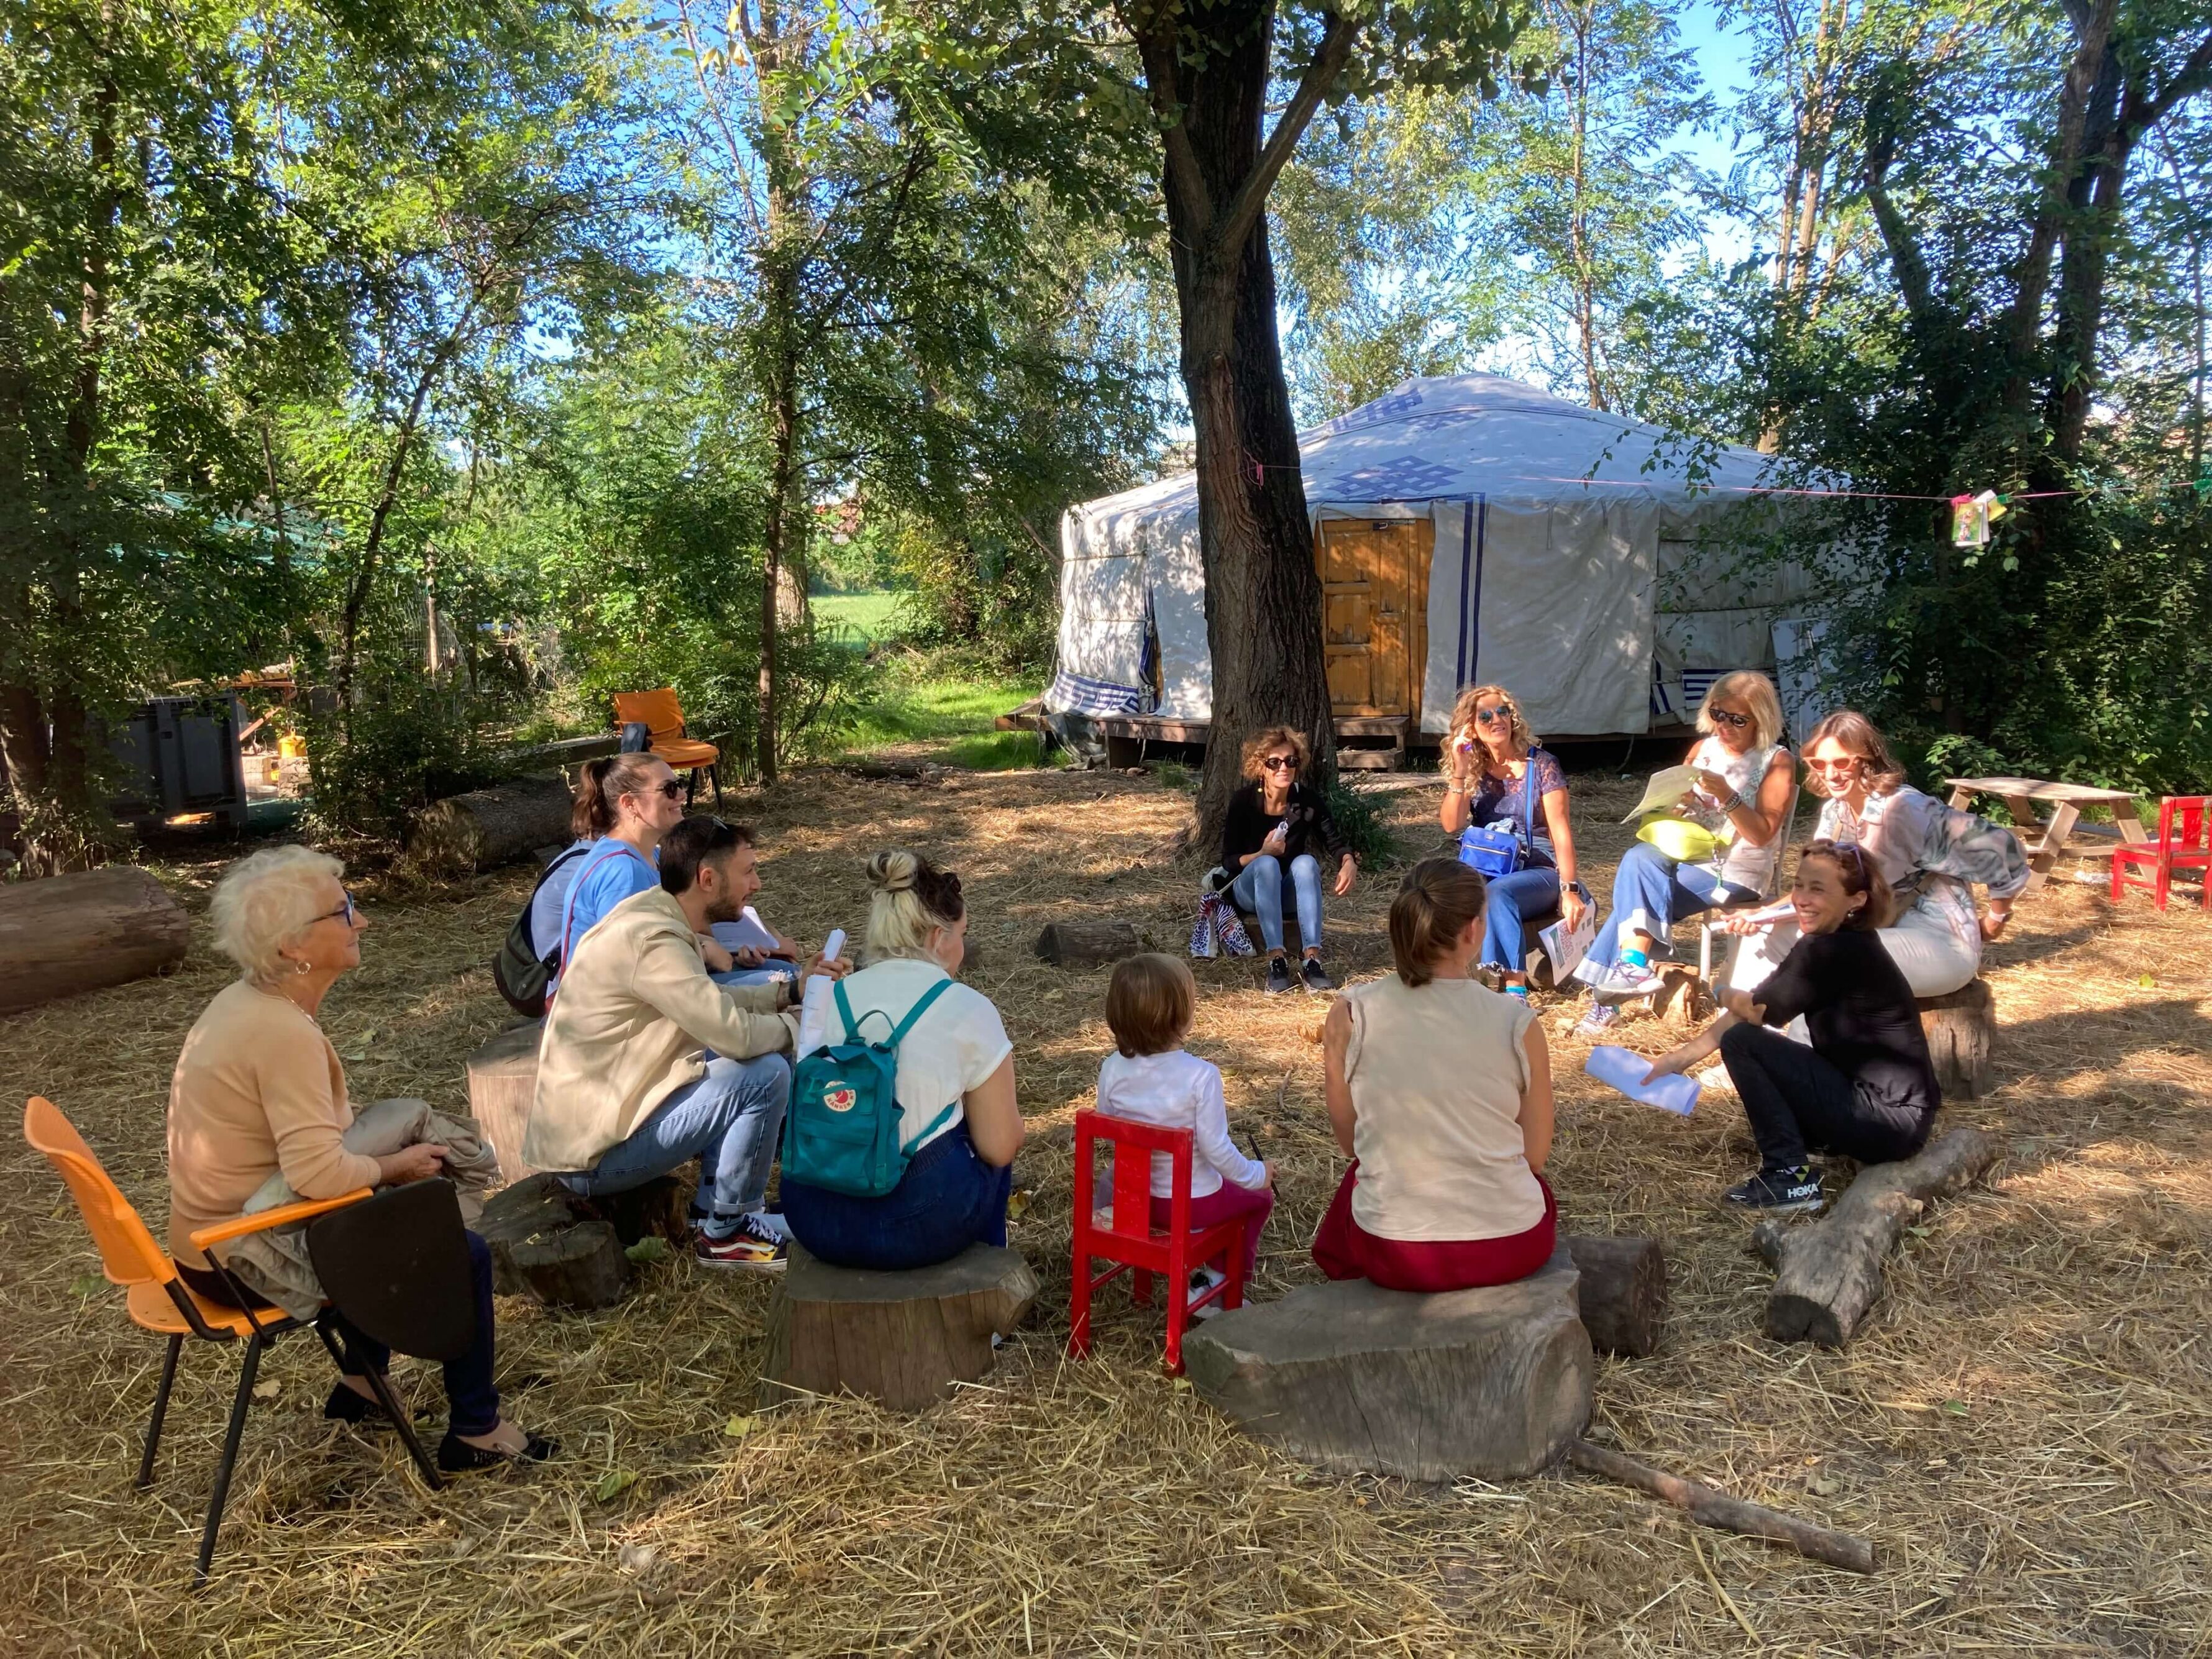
1866	1088
1273	840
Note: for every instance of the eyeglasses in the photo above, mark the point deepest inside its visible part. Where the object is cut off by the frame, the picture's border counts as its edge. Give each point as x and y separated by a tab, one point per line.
1281	763
1492	717
1725	717
348	910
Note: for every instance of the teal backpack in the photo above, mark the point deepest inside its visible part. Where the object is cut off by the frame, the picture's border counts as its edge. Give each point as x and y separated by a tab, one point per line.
841	1133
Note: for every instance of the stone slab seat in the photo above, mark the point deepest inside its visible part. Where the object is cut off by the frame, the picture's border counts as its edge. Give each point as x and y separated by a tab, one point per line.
905	1339
1491	1383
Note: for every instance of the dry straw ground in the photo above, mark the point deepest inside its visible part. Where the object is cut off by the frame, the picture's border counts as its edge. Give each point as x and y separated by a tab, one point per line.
2024	1429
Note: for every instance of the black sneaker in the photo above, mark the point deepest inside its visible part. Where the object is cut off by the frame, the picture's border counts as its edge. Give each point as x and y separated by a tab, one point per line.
1778	1189
1279	976
1316	977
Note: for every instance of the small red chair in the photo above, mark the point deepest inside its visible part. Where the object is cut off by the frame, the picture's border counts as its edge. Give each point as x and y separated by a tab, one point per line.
1129	1240
2184	843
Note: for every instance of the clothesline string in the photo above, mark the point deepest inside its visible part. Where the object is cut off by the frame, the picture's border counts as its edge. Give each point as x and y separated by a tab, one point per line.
1769	489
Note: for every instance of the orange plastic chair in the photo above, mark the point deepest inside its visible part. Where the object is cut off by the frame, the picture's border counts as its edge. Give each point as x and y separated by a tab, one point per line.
662	715
158	1299
2184	843
1128	1237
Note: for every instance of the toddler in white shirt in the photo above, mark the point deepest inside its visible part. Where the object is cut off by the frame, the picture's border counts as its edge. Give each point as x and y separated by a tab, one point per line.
1150	1079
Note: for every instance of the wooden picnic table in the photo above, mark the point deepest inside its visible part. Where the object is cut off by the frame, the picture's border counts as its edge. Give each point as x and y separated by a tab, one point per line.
2066	800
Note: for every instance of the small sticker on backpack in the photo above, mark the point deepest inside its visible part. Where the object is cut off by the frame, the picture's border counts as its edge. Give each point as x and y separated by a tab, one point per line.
841	1099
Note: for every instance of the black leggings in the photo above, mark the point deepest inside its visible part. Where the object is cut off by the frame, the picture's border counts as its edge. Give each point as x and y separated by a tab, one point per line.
1799	1103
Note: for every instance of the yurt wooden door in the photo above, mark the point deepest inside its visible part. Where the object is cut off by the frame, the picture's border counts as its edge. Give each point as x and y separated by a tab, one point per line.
1374	613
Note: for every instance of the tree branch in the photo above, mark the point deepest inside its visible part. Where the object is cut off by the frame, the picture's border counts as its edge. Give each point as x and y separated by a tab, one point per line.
1251	198
2095	32
2143	114
1156	48
1905	255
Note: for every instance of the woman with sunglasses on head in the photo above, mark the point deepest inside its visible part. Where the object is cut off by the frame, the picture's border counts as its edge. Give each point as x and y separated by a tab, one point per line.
1865	1087
1494	764
1742	795
258	1092
1931	854
1279	830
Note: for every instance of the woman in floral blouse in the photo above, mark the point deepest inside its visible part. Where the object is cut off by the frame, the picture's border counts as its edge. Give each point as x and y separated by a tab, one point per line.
1931	855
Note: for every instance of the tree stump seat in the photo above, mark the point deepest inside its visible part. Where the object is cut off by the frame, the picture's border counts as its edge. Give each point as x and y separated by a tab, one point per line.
902	1339
570	1252
1088	944
502	1077
1492	1382
1961	1027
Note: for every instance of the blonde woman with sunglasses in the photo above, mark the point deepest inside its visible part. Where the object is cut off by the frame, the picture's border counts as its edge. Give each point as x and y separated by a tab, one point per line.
1741	797
1492	762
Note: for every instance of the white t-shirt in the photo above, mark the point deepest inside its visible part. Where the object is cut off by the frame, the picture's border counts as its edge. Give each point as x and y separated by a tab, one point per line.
956	1045
1178	1091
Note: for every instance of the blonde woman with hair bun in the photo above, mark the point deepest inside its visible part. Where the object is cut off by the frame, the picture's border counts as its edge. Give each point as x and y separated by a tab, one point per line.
957	1054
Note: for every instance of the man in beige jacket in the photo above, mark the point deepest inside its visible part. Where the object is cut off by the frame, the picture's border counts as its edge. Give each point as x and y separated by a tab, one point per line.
646	1062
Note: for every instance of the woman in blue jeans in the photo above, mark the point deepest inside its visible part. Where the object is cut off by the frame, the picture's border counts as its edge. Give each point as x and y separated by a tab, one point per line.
1745	780
1494	763
1279	829
957	1054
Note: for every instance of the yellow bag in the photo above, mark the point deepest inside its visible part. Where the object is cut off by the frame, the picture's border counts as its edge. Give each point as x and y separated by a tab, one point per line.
1680	840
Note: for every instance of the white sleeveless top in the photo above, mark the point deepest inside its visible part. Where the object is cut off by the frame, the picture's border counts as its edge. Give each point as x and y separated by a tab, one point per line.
1741	864
1435	1076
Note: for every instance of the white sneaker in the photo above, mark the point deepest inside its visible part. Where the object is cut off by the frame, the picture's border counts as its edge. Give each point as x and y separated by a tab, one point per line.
1202	1280
1602	1017
1631	979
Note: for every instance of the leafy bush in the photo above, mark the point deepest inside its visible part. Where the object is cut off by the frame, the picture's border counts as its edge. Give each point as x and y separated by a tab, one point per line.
1363	828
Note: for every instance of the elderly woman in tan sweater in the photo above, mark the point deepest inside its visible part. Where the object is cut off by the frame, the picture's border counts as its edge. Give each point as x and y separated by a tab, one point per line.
258	1092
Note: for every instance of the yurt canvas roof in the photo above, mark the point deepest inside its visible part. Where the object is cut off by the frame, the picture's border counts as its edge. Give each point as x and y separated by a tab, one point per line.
1563	562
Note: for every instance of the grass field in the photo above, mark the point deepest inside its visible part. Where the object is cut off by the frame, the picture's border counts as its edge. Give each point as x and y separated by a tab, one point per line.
869	616
917	702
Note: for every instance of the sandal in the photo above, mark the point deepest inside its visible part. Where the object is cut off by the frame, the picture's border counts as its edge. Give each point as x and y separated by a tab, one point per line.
457	1456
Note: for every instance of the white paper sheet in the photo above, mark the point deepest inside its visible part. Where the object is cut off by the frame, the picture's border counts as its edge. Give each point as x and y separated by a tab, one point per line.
1567	948
1624	1070
1667	786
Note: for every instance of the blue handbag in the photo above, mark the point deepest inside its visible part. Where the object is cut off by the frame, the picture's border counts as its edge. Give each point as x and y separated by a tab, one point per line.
1494	852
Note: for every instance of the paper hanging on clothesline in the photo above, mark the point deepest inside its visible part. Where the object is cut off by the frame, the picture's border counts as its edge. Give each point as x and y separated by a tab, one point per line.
1972	517
1667	786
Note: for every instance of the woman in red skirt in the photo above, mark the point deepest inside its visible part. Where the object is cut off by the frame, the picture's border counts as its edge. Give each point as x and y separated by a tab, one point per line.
1440	1092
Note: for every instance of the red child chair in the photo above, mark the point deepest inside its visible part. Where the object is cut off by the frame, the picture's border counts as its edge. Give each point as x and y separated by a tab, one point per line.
2184	843
1130	1239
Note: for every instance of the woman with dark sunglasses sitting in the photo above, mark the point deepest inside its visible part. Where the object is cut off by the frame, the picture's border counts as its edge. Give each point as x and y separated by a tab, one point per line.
1866	1087
1492	764
1741	796
1274	831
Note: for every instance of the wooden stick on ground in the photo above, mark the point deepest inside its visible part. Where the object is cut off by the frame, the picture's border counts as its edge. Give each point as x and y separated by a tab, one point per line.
1710	1507
1828	1273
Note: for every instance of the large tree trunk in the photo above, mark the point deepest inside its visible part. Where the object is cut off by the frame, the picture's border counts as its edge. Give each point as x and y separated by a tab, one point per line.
1262	595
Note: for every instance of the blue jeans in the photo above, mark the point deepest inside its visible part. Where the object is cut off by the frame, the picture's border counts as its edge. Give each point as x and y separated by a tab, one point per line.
1259	889
1508	902
947	1200
472	1397
767	973
728	1120
1651	893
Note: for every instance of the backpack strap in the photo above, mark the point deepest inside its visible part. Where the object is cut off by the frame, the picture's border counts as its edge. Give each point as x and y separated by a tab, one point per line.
845	1013
934	1124
916	1012
568	910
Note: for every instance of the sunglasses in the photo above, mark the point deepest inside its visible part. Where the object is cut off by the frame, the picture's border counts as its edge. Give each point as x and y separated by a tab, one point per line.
1492	717
672	790
1281	763
1724	717
1844	763
347	910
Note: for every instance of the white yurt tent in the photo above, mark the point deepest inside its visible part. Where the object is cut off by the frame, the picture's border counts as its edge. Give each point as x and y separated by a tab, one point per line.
1469	529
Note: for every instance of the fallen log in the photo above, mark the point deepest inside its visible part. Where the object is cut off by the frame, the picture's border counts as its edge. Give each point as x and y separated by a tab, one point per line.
1710	1507
1828	1273
1088	944
64	934
1960	1028
1622	1293
493	826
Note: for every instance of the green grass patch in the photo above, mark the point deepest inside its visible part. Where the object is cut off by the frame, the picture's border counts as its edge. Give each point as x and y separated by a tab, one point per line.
919	698
869	616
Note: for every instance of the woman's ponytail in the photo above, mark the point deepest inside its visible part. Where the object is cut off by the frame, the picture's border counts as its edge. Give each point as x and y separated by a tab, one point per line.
1434	902
599	790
